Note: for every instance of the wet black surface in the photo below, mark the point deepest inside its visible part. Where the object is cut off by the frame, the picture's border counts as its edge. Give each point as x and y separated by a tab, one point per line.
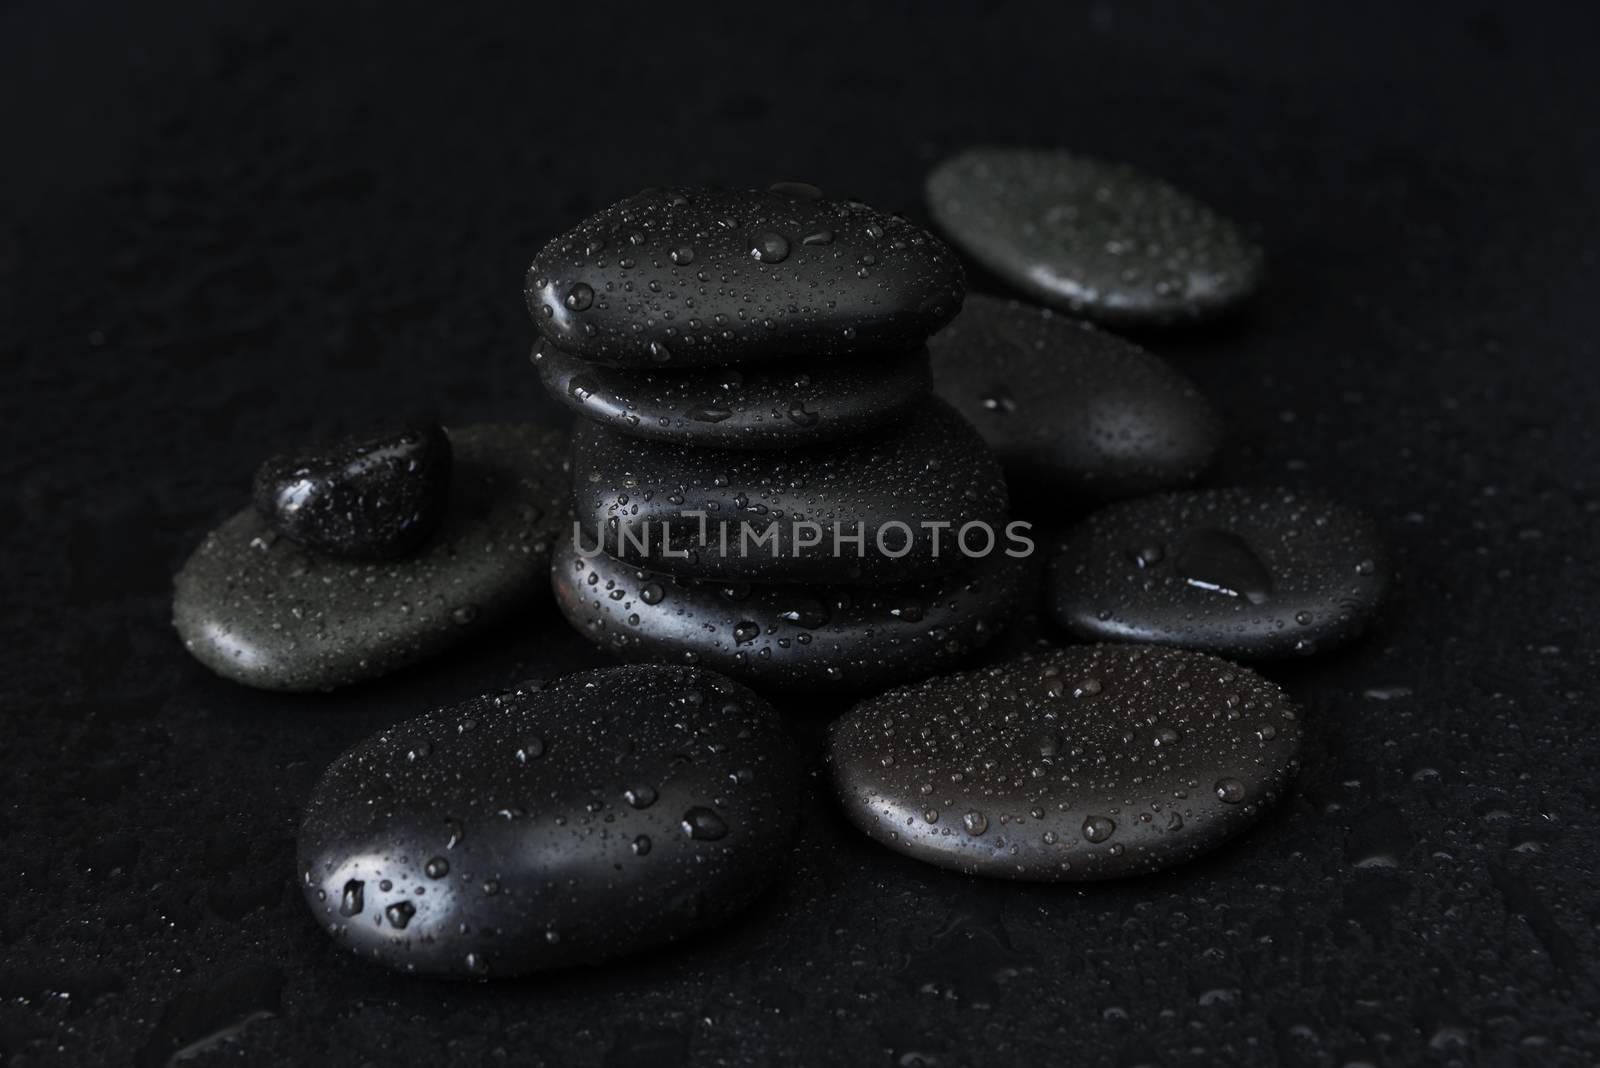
227	233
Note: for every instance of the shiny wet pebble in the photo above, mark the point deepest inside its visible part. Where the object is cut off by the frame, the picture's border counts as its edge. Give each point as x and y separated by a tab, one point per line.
372	496
609	811
698	277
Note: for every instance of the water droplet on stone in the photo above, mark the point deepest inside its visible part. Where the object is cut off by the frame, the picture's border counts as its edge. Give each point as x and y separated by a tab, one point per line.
770	247
1098	828
1223	562
702	824
580	297
1230	791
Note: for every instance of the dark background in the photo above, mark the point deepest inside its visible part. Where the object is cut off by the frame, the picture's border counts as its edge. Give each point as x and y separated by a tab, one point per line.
231	227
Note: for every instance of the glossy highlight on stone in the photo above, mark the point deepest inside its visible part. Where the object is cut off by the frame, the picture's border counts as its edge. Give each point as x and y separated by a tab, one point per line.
774	405
1067	765
258	609
1248	572
836	638
549	826
932	468
1069	406
697	277
371	496
1096	239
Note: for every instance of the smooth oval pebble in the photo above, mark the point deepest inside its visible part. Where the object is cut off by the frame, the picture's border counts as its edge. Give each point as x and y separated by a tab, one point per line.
760	406
368	496
1065	405
791	637
1248	572
695	277
607	812
932	468
256	608
1100	240
1076	764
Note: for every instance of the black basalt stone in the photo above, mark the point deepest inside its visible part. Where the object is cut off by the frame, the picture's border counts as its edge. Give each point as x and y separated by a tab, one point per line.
932	468
757	406
256	608
838	638
1248	572
1072	407
694	277
1077	764
607	812
1097	239
373	496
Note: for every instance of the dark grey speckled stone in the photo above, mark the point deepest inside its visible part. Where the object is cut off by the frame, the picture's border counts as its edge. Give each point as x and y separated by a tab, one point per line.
1077	764
1252	572
1100	240
1068	406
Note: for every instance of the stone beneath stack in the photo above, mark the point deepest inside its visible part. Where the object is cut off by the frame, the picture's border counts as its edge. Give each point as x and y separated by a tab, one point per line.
765	484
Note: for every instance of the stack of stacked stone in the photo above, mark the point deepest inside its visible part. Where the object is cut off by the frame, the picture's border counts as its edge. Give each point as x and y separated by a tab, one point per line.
759	356
765	484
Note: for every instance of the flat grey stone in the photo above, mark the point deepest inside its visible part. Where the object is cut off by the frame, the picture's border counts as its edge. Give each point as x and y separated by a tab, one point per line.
1070	407
1100	240
258	609
1252	572
1071	765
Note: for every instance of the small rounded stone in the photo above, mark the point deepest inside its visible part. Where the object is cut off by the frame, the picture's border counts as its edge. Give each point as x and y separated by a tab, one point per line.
1067	406
1247	572
1096	239
365	496
775	405
702	277
1018	771
474	863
